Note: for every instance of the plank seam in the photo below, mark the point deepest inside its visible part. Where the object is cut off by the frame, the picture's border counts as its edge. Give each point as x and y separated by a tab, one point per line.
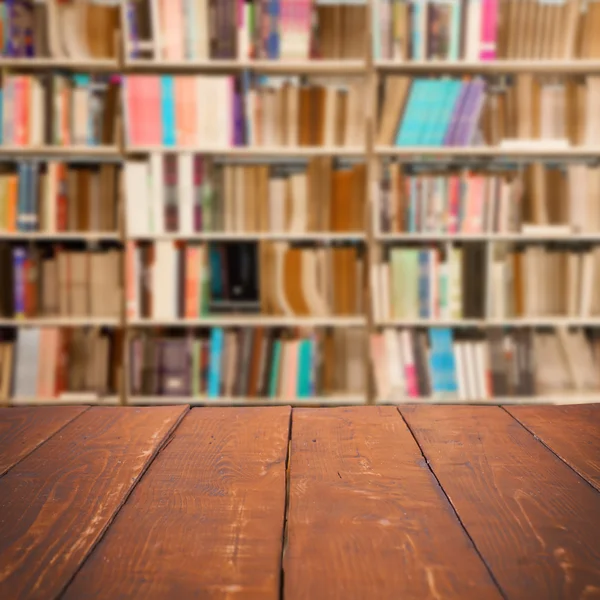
44	441
441	487
558	456
286	506
110	521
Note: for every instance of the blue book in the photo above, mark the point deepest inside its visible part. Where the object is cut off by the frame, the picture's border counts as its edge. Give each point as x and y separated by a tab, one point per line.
303	389
442	363
214	369
167	106
417	30
423	284
406	131
273	14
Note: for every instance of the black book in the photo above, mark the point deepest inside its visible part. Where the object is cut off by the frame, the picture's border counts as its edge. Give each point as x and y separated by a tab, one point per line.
7	281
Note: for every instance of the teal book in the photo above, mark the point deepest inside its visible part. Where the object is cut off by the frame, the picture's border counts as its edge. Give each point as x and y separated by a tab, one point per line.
304	368
275	366
167	110
215	360
442	363
417	29
450	95
429	107
406	131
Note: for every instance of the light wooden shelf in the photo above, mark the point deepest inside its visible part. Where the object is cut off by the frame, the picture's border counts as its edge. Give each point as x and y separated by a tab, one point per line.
251	152
549	66
341	400
236	320
268	235
109	152
67	401
485	323
446	152
38	63
60	322
279	67
562	399
486	237
64	236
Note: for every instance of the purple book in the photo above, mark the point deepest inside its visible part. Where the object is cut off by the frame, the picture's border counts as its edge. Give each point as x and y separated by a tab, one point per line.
461	134
198	177
474	113
238	120
456	115
19	258
20	28
175	367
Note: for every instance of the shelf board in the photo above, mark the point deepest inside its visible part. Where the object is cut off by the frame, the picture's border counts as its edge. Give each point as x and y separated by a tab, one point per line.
267	235
567	398
237	320
64	236
69	400
326	67
550	66
70	64
483	237
252	152
60	322
341	400
446	152
111	152
485	323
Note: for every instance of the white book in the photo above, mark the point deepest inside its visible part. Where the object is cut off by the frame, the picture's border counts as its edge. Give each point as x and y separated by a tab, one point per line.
473	30
156	210
203	90
27	363
470	371
202	51
37	111
394	362
164	288
587	284
376	294
185	184
136	198
460	371
481	370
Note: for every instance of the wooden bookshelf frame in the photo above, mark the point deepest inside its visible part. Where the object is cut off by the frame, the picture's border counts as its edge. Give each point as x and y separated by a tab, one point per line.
374	241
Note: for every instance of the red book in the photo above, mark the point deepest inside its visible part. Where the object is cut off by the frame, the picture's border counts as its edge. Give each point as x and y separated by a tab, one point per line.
192	282
62	201
30	277
143	104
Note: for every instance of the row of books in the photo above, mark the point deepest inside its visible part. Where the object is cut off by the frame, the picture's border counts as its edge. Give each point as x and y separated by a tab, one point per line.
75	29
170	111
171	281
254	29
534	199
249	363
54	109
426	284
56	197
505	111
58	282
47	363
187	194
484	30
523	363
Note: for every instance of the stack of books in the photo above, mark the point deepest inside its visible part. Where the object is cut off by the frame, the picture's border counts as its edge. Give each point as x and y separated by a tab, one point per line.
249	363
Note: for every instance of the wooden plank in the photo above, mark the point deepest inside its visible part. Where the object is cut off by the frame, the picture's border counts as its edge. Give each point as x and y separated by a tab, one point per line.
571	432
534	521
22	430
366	516
56	503
207	519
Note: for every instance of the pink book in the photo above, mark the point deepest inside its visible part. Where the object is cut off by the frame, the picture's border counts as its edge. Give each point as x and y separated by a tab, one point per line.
453	204
145	114
410	371
171	18
489	25
185	110
21	110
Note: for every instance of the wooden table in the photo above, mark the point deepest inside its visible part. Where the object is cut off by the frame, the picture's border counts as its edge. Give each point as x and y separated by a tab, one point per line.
374	502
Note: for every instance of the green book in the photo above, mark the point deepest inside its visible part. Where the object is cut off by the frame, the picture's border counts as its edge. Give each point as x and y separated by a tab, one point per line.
275	364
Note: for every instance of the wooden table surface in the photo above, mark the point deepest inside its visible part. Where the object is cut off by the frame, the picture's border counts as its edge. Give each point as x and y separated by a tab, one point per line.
367	502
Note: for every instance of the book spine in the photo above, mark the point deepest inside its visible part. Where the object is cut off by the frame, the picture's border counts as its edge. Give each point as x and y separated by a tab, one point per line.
19	259
487	49
167	105
274	12
216	352
275	370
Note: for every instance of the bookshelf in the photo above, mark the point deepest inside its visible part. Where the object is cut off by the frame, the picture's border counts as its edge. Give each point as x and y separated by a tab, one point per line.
375	243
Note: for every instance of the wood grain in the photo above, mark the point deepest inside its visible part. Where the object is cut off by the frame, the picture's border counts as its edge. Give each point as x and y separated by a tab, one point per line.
207	519
535	522
571	432
366	517
23	429
56	503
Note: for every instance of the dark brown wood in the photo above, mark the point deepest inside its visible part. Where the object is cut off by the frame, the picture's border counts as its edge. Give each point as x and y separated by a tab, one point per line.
23	429
571	432
535	522
207	519
366	517
56	503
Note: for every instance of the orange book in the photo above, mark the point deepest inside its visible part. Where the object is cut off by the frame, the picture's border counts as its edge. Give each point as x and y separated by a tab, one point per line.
131	280
185	110
192	282
65	117
12	197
